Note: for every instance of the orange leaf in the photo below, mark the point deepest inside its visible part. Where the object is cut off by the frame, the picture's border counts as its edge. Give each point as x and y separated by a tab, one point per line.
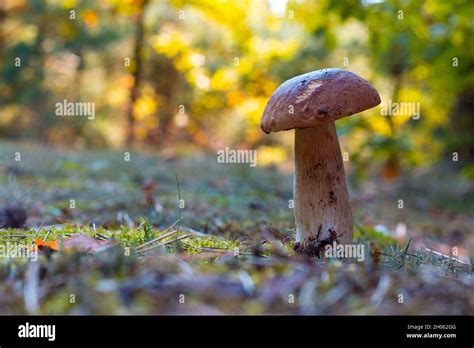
40	244
77	242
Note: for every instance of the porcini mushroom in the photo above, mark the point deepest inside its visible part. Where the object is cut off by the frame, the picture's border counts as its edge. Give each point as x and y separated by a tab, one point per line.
310	104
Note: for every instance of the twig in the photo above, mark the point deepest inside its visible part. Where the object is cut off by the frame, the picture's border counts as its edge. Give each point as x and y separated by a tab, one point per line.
153	241
47	235
179	201
102	237
165	243
177	239
220	250
448	257
171	227
193	231
37	232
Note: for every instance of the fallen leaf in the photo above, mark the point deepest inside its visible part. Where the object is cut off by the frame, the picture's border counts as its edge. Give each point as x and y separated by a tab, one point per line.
77	242
41	245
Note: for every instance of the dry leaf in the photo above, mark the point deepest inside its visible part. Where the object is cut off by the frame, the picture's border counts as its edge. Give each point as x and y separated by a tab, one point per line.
77	242
42	245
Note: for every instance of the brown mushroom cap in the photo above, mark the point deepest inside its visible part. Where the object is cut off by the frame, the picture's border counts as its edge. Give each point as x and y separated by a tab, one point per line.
318	96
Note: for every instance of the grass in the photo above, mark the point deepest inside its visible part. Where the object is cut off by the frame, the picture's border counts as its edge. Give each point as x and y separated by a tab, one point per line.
236	253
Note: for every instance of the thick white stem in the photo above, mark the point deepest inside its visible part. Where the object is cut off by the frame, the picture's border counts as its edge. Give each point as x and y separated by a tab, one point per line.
322	203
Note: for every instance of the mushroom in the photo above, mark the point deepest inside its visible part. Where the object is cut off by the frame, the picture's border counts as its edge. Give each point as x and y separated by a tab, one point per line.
310	103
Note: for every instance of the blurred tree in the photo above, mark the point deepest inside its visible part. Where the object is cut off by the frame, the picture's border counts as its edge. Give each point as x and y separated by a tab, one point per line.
45	45
138	14
2	20
201	71
423	51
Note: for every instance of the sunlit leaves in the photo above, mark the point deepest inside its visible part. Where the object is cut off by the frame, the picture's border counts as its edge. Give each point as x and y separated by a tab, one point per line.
267	155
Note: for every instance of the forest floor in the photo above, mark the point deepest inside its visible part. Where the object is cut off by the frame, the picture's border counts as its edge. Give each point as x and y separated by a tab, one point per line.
181	234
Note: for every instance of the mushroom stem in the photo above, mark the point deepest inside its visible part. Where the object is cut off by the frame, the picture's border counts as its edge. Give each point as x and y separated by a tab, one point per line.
322	204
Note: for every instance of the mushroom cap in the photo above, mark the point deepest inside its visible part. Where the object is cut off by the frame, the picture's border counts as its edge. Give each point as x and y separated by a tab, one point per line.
318	96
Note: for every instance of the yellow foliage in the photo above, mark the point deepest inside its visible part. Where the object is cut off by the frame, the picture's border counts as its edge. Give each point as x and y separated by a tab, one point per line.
90	18
430	6
68	4
235	97
183	63
379	124
170	42
197	59
457	37
420	72
126	81
117	96
252	109
267	155
269	87
199	78
253	135
224	79
120	91
144	107
245	66
7	114
270	48
65	29
28	34
407	95
140	132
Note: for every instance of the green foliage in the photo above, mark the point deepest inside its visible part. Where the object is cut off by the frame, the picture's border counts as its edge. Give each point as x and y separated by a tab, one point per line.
238	257
366	234
209	68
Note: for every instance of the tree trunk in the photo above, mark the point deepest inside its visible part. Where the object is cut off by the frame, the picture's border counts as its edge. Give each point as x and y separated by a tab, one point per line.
137	73
2	20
